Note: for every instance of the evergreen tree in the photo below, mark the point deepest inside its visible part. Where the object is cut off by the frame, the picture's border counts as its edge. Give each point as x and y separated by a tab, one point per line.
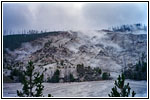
105	76
80	70
138	71
72	79
32	83
55	77
124	89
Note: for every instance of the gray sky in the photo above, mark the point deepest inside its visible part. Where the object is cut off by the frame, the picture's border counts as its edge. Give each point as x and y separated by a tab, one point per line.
71	16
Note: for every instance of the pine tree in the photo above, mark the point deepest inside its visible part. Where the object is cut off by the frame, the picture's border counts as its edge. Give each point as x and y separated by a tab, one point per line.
124	89
72	79
105	76
55	77
32	83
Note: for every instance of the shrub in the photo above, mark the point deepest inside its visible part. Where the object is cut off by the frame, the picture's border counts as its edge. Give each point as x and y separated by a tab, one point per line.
80	70
69	78
105	76
98	70
72	79
17	73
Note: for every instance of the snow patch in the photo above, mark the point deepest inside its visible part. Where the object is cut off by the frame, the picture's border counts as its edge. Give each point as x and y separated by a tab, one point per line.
79	89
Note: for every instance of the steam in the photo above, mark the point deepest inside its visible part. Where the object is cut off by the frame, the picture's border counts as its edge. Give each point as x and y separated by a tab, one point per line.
71	16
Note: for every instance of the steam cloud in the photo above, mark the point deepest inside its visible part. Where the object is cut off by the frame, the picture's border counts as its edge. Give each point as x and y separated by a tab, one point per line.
71	16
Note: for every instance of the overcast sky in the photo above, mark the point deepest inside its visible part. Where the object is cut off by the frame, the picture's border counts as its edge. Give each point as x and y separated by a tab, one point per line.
71	16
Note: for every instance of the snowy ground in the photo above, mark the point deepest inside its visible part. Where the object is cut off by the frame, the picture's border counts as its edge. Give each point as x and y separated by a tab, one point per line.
79	89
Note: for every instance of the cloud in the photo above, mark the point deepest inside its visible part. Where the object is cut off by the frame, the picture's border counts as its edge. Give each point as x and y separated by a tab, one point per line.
15	16
67	16
58	16
110	14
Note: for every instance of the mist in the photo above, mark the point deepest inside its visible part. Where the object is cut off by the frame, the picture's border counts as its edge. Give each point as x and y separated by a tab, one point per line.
71	16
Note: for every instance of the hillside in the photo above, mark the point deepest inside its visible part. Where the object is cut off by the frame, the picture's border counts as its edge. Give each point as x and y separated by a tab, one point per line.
13	42
110	51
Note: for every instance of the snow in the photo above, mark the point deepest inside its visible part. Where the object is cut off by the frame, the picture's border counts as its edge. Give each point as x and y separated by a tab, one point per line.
88	39
50	66
79	89
140	32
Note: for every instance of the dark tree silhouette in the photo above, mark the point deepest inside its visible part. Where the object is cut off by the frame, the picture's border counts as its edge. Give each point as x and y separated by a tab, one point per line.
32	83
124	89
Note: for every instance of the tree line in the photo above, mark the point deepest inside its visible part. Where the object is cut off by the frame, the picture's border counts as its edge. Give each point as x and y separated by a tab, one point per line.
33	87
9	41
